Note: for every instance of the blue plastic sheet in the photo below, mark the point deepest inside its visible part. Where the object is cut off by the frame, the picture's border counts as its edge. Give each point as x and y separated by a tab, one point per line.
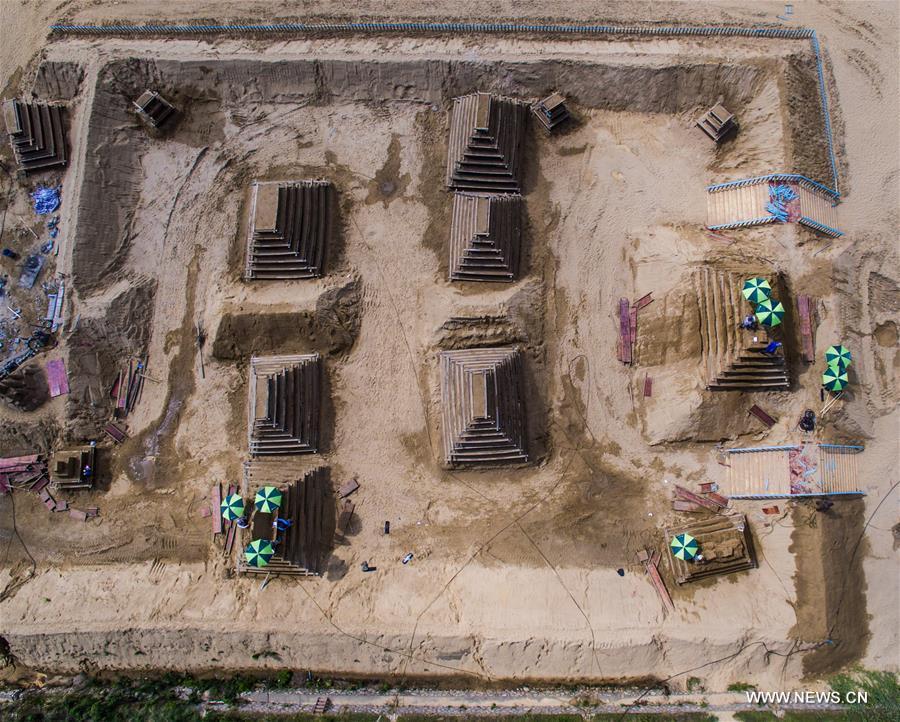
46	200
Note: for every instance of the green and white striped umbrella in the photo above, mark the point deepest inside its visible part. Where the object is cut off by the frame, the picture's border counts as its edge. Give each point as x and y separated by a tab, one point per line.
233	507
837	356
259	552
770	312
268	499
757	290
835	378
684	546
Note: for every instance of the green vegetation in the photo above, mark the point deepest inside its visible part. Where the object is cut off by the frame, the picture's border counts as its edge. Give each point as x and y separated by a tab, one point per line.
694	684
741	687
790	716
160	699
882	689
883	702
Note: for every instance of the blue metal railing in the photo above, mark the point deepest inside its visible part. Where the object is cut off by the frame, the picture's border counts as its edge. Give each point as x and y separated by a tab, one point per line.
796	177
389	27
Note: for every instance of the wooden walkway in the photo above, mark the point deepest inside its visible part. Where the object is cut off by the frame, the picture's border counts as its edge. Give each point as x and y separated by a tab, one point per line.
792	471
741	206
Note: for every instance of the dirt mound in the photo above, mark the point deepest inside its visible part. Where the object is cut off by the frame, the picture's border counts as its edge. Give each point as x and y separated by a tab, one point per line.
57	80
98	348
331	329
806	124
18	437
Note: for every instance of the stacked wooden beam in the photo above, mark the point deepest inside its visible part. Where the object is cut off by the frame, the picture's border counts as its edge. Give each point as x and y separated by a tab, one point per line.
484	418
485	237
22	472
37	134
730	359
285	396
485	142
290	230
628	329
302	549
650	560
551	111
155	110
725	545
717	122
73	468
128	387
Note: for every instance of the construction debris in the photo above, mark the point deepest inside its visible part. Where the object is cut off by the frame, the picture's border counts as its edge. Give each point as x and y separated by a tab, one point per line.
551	111
31	268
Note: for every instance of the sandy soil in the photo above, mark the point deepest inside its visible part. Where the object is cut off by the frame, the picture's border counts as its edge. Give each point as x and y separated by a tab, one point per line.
153	236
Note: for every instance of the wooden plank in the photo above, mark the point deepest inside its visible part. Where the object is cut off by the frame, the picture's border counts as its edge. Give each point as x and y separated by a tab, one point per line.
679	505
708	486
348	487
653	572
643	301
8	462
722	501
625	331
115	433
648	386
78	514
762	416
683	493
216	503
770	510
632	329
230	526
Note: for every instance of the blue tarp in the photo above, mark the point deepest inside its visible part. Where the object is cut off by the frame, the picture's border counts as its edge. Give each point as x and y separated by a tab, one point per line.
780	194
46	200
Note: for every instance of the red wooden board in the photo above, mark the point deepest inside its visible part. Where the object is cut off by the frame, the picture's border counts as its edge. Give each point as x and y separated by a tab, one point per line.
57	378
691	496
216	503
624	331
17	461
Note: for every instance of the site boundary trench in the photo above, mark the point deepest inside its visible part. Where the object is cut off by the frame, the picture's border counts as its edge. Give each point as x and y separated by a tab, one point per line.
799	33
